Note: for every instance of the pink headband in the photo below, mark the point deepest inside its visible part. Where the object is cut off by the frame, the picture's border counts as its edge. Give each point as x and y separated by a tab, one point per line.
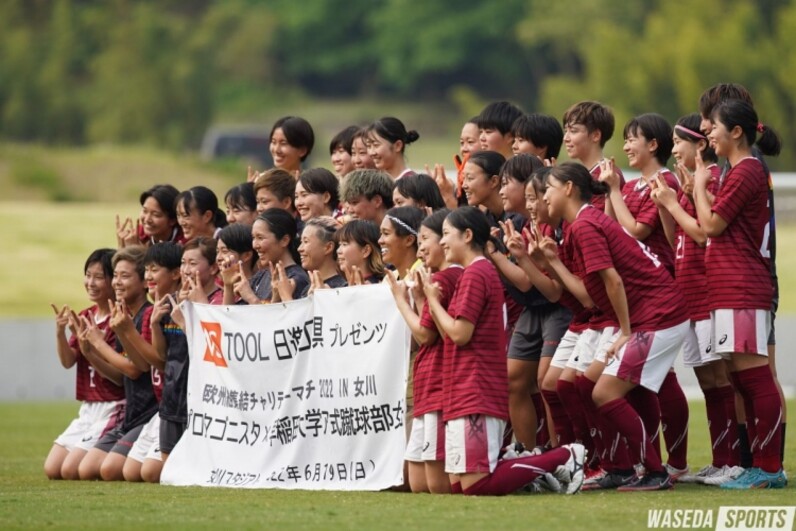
690	132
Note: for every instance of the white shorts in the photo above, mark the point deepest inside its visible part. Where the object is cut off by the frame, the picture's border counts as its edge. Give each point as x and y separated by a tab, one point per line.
565	349
94	420
744	331
583	354
147	446
427	440
472	444
647	357
607	338
698	348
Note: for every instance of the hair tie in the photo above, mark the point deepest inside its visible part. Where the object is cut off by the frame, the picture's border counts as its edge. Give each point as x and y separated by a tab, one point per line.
409	229
760	127
690	132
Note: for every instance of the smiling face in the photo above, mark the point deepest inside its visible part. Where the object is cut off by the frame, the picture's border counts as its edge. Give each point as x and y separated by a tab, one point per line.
722	140
429	249
361	207
342	161
265	244
394	247
512	192
239	214
311	205
193	222
578	142
313	250
477	185
160	280
454	243
194	261
537	208
285	156
359	155
98	286
350	254
468	140
155	221
383	153
127	285
525	145
266	199
556	197
639	151
684	151
400	200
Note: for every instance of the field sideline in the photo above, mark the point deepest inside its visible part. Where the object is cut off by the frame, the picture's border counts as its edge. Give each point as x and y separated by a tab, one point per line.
29	501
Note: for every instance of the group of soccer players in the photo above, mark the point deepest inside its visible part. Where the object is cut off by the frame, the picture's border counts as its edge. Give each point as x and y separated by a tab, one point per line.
547	301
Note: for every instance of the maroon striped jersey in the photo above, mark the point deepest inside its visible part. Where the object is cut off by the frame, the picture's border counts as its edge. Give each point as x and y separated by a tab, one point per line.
474	375
429	359
654	302
637	198
689	259
90	385
737	261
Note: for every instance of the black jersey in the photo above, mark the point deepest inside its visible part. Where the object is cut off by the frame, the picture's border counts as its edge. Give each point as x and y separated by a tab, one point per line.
140	397
173	404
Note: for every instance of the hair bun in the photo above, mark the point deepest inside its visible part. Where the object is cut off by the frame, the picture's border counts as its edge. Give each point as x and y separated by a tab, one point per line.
411	136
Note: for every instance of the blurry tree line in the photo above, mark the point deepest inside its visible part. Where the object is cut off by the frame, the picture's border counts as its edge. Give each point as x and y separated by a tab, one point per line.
83	71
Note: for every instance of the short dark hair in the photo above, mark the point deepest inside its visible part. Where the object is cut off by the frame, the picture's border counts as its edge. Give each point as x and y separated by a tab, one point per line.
364	233
282	223
320	181
134	254
653	126
297	131
520	167
207	246
165	195
722	92
468	217
241	196
594	116
277	181
104	257
499	115
343	139
164	254
422	189
543	130
489	161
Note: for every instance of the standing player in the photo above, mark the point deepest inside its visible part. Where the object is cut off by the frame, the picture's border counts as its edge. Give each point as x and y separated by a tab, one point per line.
387	140
340	150
538	135
689	264
475	395
737	222
198	213
709	99
102	397
494	127
292	140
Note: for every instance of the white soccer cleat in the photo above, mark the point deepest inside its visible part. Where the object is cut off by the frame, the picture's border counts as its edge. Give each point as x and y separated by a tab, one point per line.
571	474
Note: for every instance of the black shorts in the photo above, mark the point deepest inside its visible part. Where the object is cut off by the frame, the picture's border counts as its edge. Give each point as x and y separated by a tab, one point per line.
170	433
538	332
119	441
772	340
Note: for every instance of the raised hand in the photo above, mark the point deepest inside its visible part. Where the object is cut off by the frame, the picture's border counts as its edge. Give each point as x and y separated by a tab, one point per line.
662	194
686	179
284	285
125	234
120	317
399	289
176	312
196	293
513	240
231	272
61	318
161	309
702	176
608	173
242	285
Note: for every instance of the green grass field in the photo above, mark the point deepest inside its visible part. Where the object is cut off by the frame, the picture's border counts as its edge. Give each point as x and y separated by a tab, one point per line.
28	500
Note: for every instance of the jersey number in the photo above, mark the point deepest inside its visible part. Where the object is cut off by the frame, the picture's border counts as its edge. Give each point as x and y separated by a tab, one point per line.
679	252
156	378
91	371
652	256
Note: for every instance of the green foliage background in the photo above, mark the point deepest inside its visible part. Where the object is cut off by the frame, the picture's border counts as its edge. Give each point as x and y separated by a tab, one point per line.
158	72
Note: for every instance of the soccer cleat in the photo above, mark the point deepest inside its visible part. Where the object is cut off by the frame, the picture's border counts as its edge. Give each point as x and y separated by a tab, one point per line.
593	475
677	474
705	472
756	478
545	483
571	474
611	480
729	473
649	482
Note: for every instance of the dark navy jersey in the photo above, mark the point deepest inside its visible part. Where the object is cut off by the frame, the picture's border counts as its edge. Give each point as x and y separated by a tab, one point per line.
173	405
141	402
261	282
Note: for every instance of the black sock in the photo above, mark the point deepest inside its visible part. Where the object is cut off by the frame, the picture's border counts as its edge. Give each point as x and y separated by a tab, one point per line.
782	449
743	442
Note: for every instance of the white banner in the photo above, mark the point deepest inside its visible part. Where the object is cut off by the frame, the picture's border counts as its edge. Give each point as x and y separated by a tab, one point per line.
310	394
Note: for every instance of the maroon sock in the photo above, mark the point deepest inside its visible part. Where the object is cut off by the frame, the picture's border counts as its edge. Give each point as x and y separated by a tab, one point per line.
591	416
456	488
761	396
626	421
674	419
746	436
733	441
542	432
645	402
513	474
561	424
717	426
570	400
